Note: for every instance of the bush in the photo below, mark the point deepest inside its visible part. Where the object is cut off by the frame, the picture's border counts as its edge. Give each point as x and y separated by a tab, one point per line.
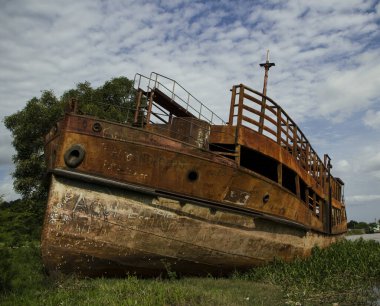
6	273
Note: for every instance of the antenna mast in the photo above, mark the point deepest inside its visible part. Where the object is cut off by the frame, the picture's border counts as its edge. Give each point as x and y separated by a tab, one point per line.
266	65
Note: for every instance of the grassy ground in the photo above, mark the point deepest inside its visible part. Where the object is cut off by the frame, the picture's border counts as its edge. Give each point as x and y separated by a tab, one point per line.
345	273
132	291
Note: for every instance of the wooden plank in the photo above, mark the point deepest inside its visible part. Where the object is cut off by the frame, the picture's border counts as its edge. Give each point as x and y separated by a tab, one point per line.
251	98
249	120
232	107
255	111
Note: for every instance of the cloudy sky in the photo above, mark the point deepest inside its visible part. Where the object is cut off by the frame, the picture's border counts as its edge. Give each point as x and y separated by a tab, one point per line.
327	73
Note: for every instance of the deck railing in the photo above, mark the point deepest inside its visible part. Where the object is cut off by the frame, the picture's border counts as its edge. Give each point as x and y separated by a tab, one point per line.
260	113
177	93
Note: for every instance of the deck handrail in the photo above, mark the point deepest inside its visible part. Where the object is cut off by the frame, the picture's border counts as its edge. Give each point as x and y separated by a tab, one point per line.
270	120
191	103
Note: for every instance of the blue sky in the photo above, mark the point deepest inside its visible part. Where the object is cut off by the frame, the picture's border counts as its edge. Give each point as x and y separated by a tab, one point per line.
327	73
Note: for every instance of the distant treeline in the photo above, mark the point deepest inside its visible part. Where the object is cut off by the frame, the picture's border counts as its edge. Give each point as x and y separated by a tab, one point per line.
371	227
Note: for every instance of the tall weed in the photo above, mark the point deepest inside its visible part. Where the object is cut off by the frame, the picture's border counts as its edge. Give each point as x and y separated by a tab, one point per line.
346	272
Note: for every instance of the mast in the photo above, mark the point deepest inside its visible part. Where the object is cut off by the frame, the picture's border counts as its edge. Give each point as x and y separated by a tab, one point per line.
266	66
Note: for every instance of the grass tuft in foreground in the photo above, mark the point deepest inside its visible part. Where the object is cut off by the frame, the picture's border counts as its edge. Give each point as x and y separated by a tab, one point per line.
347	273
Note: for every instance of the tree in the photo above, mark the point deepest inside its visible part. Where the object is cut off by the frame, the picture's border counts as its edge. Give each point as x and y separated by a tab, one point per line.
28	126
352	224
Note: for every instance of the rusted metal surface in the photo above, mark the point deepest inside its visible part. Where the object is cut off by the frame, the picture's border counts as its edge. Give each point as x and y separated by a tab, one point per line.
197	196
94	231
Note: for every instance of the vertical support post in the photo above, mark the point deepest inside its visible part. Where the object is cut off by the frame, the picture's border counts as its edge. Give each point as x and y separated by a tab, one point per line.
307	157
238	124
138	103
307	196
327	164
232	106
173	91
170	118
240	106
279	125
295	152
287	134
262	114
149	107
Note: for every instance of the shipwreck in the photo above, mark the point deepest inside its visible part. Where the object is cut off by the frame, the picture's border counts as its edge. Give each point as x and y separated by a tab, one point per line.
177	187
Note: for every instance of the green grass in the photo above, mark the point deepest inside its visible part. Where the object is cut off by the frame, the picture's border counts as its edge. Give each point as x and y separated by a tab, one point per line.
30	286
345	273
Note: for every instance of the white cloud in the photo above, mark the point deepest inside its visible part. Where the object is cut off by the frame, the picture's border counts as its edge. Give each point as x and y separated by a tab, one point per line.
342	166
365	198
372	119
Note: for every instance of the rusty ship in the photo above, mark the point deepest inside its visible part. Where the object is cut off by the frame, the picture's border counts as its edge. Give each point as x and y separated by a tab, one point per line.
179	188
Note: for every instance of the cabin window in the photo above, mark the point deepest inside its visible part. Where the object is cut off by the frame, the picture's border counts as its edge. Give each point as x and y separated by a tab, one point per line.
303	188
259	163
289	179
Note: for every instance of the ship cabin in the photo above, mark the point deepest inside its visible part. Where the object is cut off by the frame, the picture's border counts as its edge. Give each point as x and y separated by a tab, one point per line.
259	136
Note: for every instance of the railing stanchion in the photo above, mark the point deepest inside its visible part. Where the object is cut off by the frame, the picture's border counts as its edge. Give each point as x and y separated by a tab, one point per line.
232	107
278	125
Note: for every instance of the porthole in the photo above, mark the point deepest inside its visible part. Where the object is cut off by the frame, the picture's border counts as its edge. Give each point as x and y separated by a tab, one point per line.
192	176
74	156
97	127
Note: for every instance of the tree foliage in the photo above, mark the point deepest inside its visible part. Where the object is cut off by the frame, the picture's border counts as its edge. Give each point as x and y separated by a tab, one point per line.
28	126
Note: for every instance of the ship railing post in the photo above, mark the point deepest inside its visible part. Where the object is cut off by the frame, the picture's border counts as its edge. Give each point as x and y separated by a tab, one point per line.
279	125
240	107
138	103
239	123
262	114
232	107
149	107
295	152
307	158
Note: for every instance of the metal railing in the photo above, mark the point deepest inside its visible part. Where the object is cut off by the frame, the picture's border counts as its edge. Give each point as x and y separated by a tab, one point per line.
261	114
178	94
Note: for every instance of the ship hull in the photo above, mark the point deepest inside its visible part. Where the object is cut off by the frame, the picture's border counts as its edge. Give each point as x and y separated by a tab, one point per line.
95	229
